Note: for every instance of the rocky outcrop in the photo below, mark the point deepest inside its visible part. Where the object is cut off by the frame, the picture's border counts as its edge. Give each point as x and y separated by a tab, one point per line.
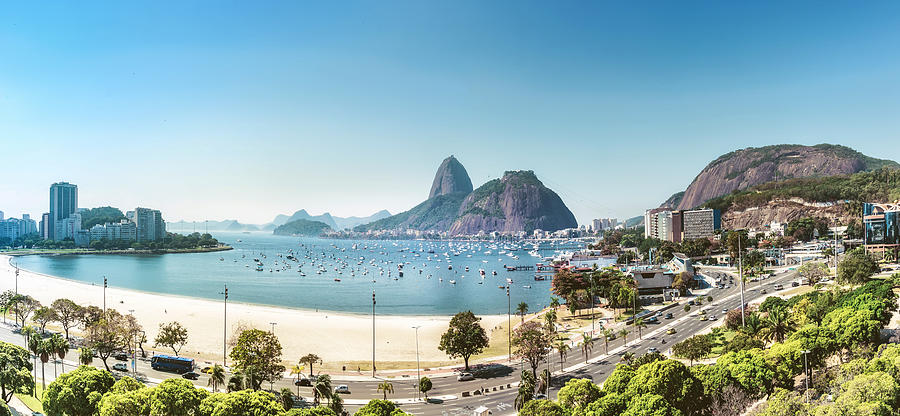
451	178
753	166
785	211
516	202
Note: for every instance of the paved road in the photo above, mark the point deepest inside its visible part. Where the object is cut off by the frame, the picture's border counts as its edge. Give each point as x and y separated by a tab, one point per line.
449	391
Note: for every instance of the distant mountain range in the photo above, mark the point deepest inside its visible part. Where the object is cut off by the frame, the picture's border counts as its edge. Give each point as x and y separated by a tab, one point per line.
516	202
335	223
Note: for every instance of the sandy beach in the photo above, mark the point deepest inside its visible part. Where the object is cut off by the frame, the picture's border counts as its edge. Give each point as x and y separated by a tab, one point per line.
336	337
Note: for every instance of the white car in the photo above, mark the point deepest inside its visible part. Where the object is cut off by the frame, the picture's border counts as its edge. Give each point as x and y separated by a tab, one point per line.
342	389
465	377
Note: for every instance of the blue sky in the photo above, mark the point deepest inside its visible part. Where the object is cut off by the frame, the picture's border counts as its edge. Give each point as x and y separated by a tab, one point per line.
249	109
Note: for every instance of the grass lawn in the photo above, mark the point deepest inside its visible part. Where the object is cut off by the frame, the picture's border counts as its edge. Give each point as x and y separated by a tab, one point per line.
33	403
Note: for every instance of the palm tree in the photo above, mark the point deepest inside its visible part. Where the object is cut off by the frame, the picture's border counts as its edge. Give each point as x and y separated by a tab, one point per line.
337	404
297	370
752	325
639	324
217	377
777	325
85	356
287	401
563	348
236	381
624	333
386	387
59	347
44	351
36	346
628	357
554	302
587	344
310	359
608	334
322	388
545	381
572	303
522	309
550	320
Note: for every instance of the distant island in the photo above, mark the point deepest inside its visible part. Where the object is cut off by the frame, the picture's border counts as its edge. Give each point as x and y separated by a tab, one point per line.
302	228
172	243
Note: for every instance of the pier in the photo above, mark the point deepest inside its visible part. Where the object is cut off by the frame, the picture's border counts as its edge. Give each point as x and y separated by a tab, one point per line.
519	268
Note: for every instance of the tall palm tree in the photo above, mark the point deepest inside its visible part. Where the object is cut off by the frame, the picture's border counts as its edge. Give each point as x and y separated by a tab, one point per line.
85	356
550	320
777	325
236	381
752	325
322	388
628	357
337	404
624	333
586	344
545	381
640	324
310	360
36	346
554	302
563	348
521	310
386	387
59	347
217	377
45	351
608	334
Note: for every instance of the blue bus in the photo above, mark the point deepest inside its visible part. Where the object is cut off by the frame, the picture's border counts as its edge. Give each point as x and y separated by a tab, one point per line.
178	365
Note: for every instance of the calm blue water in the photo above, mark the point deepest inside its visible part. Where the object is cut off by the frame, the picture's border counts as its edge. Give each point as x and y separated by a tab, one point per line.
420	291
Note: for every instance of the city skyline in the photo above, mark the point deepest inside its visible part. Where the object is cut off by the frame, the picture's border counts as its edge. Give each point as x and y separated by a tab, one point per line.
245	113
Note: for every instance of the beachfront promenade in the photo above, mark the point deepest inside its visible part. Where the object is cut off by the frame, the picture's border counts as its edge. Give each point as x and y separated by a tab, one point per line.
449	395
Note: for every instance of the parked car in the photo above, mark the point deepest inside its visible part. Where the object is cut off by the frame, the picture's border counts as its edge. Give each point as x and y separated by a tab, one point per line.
342	389
190	375
465	377
120	367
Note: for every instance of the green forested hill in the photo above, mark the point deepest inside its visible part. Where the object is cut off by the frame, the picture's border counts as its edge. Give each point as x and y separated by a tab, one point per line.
302	227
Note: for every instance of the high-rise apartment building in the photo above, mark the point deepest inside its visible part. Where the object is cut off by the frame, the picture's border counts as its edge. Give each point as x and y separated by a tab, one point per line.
149	224
63	203
676	226
45	225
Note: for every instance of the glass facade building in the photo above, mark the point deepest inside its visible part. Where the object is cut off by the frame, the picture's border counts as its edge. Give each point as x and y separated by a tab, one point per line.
881	225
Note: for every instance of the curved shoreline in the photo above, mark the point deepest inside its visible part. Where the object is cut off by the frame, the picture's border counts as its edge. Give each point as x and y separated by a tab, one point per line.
78	252
335	336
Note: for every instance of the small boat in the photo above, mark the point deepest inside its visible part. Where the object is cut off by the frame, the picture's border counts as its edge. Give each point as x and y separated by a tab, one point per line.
337	280
527	286
453	282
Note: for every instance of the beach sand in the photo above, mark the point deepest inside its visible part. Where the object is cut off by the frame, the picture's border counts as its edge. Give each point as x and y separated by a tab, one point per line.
339	338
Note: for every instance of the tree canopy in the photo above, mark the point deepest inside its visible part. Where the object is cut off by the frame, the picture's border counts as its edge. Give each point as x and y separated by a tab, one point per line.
464	338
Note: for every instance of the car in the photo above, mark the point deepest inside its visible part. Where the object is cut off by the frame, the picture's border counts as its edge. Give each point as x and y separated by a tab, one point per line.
763	291
702	312
207	370
652	350
778	287
342	389
121	356
120	367
712	318
303	382
540	397
703	318
659	313
190	375
725	311
670	331
652	319
669	315
465	377
691	303
795	284
37	414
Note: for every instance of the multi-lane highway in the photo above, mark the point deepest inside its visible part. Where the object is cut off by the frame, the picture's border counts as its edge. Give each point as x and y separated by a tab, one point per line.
449	392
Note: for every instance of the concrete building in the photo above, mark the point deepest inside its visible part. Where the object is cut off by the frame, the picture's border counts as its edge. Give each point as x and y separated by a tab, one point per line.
1	215
123	230
676	226
67	227
700	223
149	223
63	203
603	224
882	227
45	225
654	284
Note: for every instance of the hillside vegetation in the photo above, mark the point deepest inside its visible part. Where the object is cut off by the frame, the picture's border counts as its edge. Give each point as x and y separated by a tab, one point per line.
882	185
302	227
100	215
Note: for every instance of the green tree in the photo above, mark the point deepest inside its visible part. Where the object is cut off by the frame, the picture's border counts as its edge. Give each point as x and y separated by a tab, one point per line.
425	386
258	354
611	404
385	387
542	408
126	403
15	371
586	344
68	313
85	356
176	397
651	405
322	388
172	335
314	411
750	369
217	377
43	316
241	403
464	338
608	335
377	407
618	380
670	379
522	310
58	346
693	348
812	272
531	343
287	398
108	335
577	394
640	325
310	360
857	267
78	392
777	325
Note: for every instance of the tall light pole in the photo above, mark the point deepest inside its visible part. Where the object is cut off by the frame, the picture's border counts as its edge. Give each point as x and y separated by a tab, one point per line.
133	348
16	312
508	326
806	369
373	333
418	377
273	326
104	294
225	329
741	276
835	248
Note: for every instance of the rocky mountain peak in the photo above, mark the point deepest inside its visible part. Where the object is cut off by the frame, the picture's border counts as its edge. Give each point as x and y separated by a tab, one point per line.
451	178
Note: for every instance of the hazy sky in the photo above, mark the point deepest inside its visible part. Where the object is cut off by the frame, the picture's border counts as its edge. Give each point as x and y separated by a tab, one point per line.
245	110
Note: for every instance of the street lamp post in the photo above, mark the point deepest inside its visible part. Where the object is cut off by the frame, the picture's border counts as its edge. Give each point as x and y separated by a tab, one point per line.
373	333
225	329
741	276
418	377
806	369
133	347
104	294
508	327
273	326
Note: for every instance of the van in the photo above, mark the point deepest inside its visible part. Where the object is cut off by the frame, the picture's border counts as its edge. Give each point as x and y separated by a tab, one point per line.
779	287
